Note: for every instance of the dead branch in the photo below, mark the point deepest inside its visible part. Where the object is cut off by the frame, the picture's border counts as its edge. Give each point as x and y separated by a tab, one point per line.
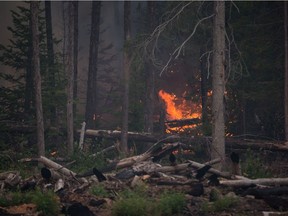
178	50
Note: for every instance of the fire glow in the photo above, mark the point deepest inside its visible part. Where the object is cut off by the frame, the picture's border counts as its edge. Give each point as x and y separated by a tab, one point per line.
179	109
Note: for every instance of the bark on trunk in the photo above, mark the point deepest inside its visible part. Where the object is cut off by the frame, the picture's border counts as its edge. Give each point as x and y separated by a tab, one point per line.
126	75
286	69
50	54
75	56
70	79
204	80
34	7
91	95
218	82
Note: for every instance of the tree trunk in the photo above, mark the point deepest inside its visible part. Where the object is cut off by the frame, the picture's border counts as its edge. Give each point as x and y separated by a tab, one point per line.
91	97
70	78
126	74
150	78
34	7
75	4
204	84
286	70
50	53
218	82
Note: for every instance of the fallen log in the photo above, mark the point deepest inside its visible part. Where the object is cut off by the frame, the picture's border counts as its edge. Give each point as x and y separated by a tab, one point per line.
262	192
104	151
250	182
57	167
128	162
230	142
183	122
49	174
116	134
148	167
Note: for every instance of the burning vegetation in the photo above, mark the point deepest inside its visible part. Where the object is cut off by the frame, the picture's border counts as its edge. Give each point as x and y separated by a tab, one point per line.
181	114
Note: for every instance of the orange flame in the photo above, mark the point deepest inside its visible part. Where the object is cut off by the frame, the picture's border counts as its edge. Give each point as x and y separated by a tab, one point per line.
178	108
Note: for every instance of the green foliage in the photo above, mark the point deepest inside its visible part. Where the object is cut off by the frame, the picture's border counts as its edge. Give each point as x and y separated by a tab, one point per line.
84	161
219	205
171	203
99	191
132	206
46	202
17	100
253	166
258	90
138	202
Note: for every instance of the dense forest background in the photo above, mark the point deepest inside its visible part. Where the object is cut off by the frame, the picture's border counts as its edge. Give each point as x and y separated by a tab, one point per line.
254	85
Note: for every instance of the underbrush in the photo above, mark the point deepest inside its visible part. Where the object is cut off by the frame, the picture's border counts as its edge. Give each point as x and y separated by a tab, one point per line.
219	205
138	203
47	203
254	166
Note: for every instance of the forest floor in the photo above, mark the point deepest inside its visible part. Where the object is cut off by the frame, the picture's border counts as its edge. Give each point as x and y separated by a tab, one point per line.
144	195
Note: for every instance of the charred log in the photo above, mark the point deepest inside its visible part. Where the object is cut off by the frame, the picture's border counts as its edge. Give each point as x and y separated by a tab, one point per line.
183	122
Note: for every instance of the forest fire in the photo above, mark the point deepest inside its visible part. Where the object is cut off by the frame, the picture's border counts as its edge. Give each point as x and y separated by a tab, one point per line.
179	109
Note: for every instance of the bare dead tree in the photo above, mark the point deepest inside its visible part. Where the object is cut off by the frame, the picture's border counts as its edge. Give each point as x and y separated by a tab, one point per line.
34	8
126	74
218	82
91	94
286	69
50	54
75	56
69	70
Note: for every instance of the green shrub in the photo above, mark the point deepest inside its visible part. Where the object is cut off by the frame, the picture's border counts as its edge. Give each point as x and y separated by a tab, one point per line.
138	202
84	161
253	166
171	203
220	205
46	202
134	206
99	191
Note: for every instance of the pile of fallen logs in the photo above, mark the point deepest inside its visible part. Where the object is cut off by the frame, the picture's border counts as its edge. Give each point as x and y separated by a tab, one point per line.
158	165
147	167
